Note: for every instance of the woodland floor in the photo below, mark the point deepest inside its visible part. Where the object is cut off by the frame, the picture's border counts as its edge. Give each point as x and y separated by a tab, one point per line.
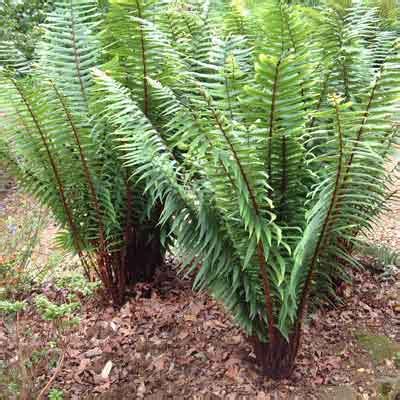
169	343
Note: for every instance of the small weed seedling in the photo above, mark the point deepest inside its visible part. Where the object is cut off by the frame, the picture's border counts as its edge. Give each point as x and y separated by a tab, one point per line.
19	379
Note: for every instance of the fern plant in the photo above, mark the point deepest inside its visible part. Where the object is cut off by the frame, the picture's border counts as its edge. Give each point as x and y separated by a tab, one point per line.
268	155
58	143
257	142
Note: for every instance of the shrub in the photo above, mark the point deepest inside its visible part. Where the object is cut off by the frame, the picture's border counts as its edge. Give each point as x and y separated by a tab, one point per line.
20	28
11	307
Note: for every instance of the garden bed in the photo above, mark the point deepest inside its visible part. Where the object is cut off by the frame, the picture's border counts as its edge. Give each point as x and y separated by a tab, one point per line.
176	344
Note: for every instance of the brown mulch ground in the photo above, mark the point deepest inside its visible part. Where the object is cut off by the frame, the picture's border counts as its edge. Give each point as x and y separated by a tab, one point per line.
387	232
180	345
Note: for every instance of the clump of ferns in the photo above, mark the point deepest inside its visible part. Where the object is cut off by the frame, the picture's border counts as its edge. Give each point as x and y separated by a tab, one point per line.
285	137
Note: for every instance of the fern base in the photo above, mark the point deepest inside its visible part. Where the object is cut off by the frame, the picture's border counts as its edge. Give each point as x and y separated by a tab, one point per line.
277	359
143	258
136	262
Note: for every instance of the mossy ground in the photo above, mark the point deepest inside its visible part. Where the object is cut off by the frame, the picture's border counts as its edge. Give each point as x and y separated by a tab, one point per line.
380	347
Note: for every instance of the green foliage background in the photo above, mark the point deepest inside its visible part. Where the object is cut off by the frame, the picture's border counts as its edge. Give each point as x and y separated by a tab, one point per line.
20	23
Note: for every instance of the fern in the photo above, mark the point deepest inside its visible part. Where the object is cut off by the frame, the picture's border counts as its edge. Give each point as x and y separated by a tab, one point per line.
257	140
384	255
254	150
64	155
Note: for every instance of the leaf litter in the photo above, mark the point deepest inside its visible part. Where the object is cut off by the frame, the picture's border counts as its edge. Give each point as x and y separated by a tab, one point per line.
178	344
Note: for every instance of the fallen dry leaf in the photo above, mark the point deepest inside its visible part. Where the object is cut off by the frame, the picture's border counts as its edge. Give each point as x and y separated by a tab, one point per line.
159	363
93	352
103	388
234	339
141	390
182	335
105	373
190	317
82	366
263	396
233	372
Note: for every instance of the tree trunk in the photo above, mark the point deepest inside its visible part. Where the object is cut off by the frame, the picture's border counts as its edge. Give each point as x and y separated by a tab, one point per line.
277	359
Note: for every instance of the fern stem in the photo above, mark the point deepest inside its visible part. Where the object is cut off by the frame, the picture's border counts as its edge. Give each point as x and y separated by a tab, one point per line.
322	237
260	247
346	82
271	122
197	122
144	62
102	262
76	52
295	48
345	74
128	231
267	292
285	174
74	230
85	165
358	140
321	97
364	121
